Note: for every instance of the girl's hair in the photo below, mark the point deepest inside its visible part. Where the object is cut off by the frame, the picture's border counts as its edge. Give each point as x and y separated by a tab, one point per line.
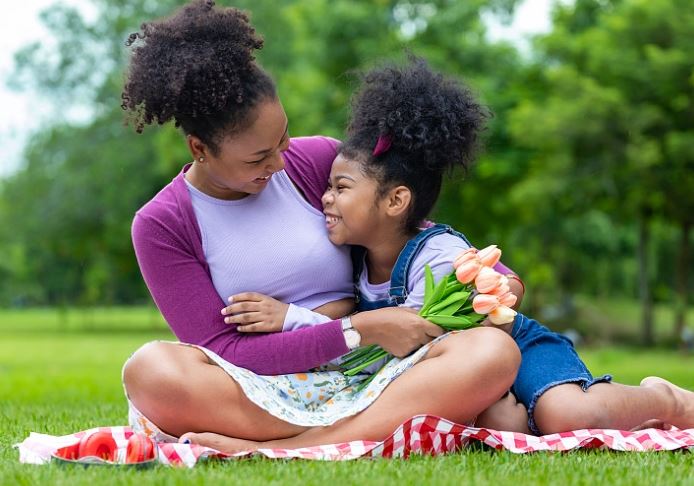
197	68
430	123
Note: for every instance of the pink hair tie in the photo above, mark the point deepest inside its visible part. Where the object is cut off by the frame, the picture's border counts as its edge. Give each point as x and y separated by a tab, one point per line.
382	145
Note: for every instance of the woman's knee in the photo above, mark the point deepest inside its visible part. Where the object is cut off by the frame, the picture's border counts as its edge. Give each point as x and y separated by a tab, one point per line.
494	346
156	370
490	350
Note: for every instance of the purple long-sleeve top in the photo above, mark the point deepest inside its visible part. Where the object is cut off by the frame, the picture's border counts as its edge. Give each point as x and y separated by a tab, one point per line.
168	245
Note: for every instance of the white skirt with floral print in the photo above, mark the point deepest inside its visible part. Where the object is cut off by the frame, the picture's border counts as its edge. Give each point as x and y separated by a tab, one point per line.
315	398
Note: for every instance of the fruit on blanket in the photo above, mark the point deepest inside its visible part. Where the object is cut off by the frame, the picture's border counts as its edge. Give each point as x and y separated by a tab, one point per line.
98	444
140	449
70	452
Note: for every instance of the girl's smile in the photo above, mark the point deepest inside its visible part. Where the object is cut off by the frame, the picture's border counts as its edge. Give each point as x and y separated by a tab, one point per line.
350	204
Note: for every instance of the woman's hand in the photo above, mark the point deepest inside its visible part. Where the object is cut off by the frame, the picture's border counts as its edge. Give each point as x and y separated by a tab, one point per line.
398	330
254	312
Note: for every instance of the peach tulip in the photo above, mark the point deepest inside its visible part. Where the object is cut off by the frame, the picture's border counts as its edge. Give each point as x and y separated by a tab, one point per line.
508	299
499	290
502	315
487	279
485	303
467	272
489	256
464	257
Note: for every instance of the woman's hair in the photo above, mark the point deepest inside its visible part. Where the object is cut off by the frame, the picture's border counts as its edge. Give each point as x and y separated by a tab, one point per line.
197	68
428	122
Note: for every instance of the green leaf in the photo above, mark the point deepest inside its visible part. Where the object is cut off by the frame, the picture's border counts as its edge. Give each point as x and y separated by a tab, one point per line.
380	354
428	283
453	322
449	305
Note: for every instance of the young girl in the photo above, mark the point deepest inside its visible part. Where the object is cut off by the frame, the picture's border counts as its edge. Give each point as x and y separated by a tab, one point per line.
408	126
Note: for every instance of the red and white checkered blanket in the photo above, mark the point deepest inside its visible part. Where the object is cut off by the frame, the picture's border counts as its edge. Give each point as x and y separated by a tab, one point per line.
423	434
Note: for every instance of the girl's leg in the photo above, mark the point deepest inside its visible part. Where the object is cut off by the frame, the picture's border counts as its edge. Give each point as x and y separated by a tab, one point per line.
459	377
180	390
506	414
614	406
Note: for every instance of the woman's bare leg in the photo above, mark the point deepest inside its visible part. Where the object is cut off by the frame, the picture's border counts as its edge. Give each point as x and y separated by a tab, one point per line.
460	376
180	390
505	414
614	406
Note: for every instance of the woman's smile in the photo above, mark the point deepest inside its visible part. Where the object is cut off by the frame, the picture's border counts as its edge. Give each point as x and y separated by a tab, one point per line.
262	180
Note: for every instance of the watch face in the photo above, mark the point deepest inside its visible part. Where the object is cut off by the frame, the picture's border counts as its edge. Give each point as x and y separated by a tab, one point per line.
353	338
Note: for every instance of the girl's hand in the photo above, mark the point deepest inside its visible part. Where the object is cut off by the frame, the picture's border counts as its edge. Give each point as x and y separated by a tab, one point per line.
507	328
398	330
254	312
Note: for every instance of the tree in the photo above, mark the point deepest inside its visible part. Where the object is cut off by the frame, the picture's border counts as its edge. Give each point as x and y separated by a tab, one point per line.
67	211
616	118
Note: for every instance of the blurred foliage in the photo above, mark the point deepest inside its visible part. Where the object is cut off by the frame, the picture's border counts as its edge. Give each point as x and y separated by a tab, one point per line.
586	178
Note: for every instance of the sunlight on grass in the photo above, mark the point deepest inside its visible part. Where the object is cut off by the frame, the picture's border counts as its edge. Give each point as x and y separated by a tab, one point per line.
59	381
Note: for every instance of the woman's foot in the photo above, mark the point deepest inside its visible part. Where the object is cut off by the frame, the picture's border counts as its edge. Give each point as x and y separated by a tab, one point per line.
652	424
507	414
222	443
683	411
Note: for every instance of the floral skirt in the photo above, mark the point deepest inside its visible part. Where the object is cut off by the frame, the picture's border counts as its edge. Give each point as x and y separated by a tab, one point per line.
316	398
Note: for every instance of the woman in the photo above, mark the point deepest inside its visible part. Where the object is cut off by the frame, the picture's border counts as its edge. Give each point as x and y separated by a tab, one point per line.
245	216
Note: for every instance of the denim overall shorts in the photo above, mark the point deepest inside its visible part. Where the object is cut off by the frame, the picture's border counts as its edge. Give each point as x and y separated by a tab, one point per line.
548	359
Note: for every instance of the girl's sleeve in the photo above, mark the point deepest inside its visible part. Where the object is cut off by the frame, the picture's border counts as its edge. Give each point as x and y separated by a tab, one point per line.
184	293
499	267
441	262
298	317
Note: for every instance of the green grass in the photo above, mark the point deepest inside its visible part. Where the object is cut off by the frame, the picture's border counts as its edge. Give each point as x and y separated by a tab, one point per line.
59	379
618	320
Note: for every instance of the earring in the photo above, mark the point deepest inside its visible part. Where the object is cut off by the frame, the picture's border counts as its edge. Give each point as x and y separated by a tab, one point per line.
201	159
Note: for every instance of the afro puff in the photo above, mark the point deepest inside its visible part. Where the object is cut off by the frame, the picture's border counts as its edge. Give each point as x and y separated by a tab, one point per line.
197	68
432	124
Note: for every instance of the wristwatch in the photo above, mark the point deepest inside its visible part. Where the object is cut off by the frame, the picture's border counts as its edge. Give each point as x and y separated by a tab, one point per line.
352	336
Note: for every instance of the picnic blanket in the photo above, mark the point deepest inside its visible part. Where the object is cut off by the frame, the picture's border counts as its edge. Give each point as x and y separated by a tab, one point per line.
422	434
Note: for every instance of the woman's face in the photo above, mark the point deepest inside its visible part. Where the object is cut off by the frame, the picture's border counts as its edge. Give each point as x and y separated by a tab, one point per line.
245	161
352	209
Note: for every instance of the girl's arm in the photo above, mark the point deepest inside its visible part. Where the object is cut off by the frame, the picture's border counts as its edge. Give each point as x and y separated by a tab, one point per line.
255	312
514	281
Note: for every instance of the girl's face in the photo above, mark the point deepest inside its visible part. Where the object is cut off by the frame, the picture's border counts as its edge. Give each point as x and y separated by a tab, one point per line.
353	211
245	161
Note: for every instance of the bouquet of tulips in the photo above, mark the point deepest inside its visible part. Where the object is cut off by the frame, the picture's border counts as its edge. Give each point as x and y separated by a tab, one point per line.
460	300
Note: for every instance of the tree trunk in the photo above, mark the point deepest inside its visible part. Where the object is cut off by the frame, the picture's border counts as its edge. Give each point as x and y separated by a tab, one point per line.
682	280
644	284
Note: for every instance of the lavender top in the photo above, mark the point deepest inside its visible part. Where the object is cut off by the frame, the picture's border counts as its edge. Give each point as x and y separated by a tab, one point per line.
168	246
274	243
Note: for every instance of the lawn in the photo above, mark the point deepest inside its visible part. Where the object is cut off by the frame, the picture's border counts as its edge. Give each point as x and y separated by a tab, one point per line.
60	376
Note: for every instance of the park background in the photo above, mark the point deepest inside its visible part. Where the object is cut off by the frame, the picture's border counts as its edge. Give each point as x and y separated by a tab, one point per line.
586	181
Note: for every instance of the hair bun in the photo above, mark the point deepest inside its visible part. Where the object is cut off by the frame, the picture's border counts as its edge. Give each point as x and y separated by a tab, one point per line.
194	63
423	112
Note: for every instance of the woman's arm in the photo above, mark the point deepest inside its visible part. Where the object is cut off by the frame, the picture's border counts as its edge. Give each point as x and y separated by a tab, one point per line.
183	291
